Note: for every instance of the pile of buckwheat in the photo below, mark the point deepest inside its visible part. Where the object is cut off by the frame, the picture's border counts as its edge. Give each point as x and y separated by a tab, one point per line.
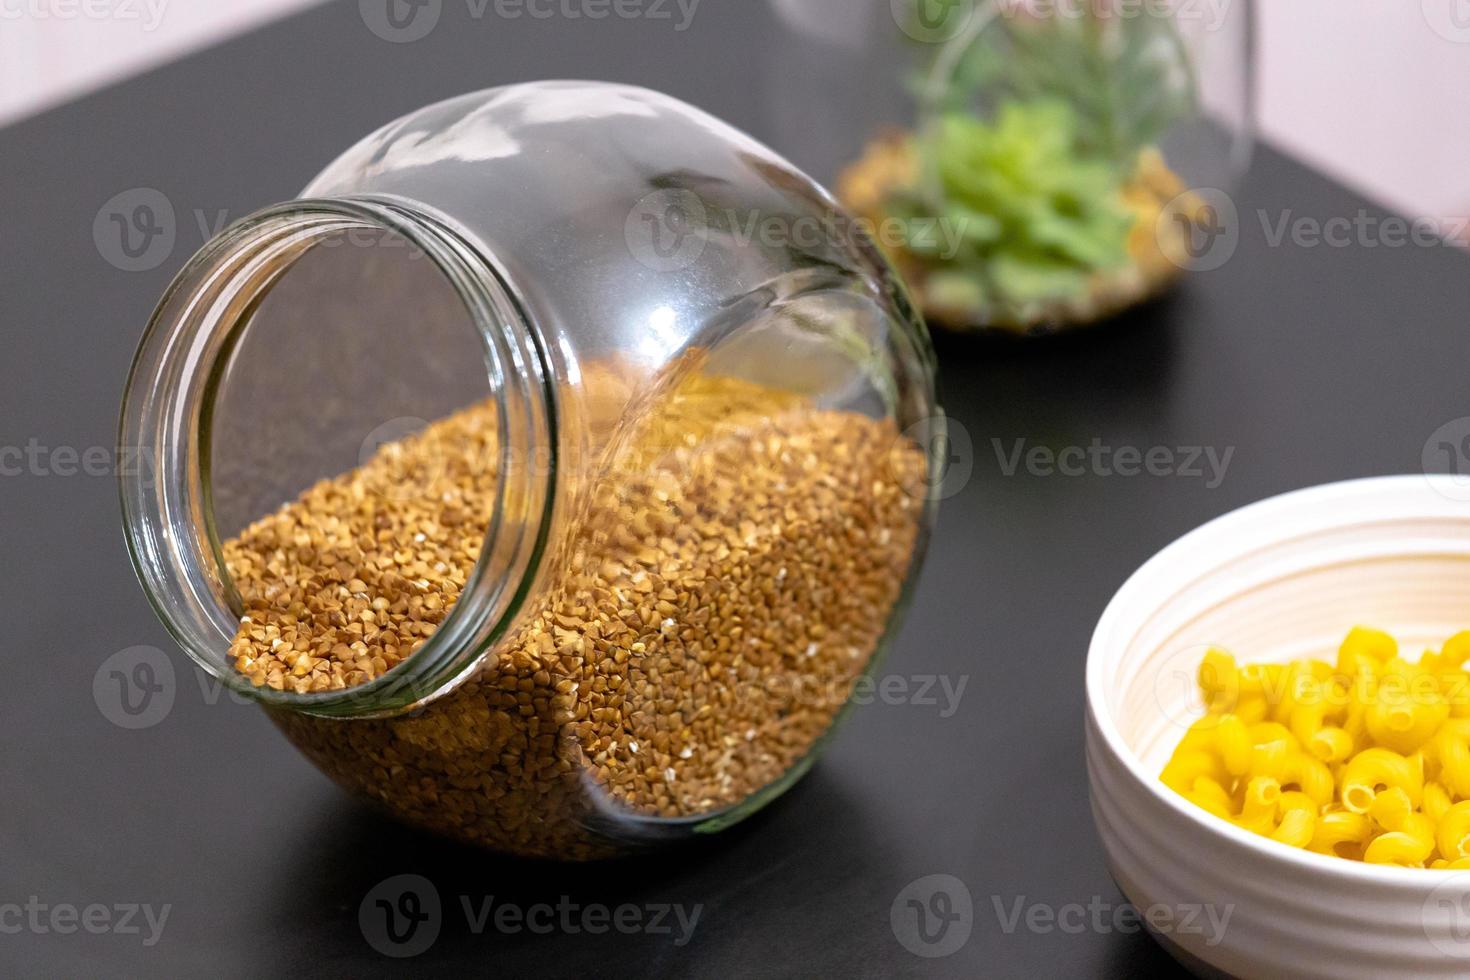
732	572
344	583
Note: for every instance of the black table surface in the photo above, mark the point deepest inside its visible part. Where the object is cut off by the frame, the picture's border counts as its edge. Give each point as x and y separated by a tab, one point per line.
1305	364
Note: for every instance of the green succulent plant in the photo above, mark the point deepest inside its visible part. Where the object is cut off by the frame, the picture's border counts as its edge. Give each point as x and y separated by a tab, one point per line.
1032	127
1026	218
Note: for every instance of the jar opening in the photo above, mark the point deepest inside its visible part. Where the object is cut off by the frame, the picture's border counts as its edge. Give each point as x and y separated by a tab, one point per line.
293	349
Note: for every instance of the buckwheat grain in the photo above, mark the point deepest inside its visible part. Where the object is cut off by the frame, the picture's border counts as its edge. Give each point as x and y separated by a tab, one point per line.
732	573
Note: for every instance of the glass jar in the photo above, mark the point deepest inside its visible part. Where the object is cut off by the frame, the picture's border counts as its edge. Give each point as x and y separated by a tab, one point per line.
549	470
1031	165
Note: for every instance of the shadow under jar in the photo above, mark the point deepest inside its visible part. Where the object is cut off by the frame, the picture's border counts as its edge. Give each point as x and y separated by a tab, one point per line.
550	470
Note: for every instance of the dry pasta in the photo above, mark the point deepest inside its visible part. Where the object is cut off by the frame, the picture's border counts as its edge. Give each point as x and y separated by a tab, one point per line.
1365	757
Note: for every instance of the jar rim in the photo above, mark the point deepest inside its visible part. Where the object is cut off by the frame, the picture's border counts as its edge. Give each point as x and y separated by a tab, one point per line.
165	418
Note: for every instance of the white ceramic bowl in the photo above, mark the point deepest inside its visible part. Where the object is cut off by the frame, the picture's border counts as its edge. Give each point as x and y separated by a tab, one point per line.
1279	579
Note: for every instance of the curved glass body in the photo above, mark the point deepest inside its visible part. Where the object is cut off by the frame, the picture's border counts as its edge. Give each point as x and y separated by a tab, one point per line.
701	407
1031	164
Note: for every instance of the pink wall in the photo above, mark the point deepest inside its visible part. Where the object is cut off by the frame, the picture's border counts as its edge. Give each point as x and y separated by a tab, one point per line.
1375	91
53	50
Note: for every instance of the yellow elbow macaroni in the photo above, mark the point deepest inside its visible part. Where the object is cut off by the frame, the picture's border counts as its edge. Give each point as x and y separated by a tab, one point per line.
1452	835
1296	827
1366	757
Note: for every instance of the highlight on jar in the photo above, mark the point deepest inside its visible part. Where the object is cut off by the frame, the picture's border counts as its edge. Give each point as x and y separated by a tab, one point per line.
529	538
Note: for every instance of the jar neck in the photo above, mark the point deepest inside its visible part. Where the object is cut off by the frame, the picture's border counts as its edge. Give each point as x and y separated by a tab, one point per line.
169	401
